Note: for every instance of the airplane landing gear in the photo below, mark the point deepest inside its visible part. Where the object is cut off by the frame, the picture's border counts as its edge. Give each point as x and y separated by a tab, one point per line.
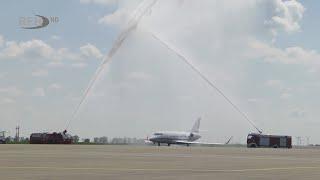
168	144
158	144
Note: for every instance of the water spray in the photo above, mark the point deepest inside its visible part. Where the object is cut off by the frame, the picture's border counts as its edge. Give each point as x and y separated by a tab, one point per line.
194	68
137	15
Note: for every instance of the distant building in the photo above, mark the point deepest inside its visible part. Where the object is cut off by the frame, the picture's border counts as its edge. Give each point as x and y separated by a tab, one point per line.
75	139
126	140
100	140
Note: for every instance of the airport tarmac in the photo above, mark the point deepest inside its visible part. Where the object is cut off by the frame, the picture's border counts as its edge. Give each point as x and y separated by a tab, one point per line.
93	162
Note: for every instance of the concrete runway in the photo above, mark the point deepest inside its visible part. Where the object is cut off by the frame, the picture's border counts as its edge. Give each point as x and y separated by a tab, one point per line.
90	162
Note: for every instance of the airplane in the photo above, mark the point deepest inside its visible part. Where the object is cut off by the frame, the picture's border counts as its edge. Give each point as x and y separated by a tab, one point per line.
185	138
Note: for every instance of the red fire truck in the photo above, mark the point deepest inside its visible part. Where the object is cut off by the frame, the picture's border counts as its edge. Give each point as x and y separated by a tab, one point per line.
274	141
50	138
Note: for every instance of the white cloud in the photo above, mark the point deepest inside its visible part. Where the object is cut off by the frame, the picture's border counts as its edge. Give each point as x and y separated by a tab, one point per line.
65	54
290	55
11	91
55	64
33	49
12	49
248	15
119	17
285	15
125	11
79	65
101	2
39	50
55	37
55	86
7	100
39	92
40	73
1	41
274	83
90	50
139	76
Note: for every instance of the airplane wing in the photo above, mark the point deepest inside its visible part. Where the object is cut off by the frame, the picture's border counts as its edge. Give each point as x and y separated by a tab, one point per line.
204	143
198	143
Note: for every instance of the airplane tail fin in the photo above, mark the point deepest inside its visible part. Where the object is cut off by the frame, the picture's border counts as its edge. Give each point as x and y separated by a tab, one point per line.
196	126
229	140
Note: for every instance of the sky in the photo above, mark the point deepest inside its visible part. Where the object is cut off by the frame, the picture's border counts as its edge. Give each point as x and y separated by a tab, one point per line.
263	54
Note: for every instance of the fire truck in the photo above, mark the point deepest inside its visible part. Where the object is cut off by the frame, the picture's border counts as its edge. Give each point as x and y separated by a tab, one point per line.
255	140
50	138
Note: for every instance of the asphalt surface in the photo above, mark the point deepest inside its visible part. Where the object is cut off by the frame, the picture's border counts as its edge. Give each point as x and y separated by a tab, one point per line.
91	162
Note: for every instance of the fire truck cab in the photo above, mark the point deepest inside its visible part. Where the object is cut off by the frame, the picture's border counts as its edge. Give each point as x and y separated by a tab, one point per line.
255	140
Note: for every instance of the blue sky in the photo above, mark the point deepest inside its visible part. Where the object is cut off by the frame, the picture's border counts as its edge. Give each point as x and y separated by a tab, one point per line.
262	54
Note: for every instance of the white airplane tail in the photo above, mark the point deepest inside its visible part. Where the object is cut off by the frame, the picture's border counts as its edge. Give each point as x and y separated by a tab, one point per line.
196	126
229	140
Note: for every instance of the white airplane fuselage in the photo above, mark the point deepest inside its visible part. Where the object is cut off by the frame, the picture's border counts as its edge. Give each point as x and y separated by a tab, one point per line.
172	137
